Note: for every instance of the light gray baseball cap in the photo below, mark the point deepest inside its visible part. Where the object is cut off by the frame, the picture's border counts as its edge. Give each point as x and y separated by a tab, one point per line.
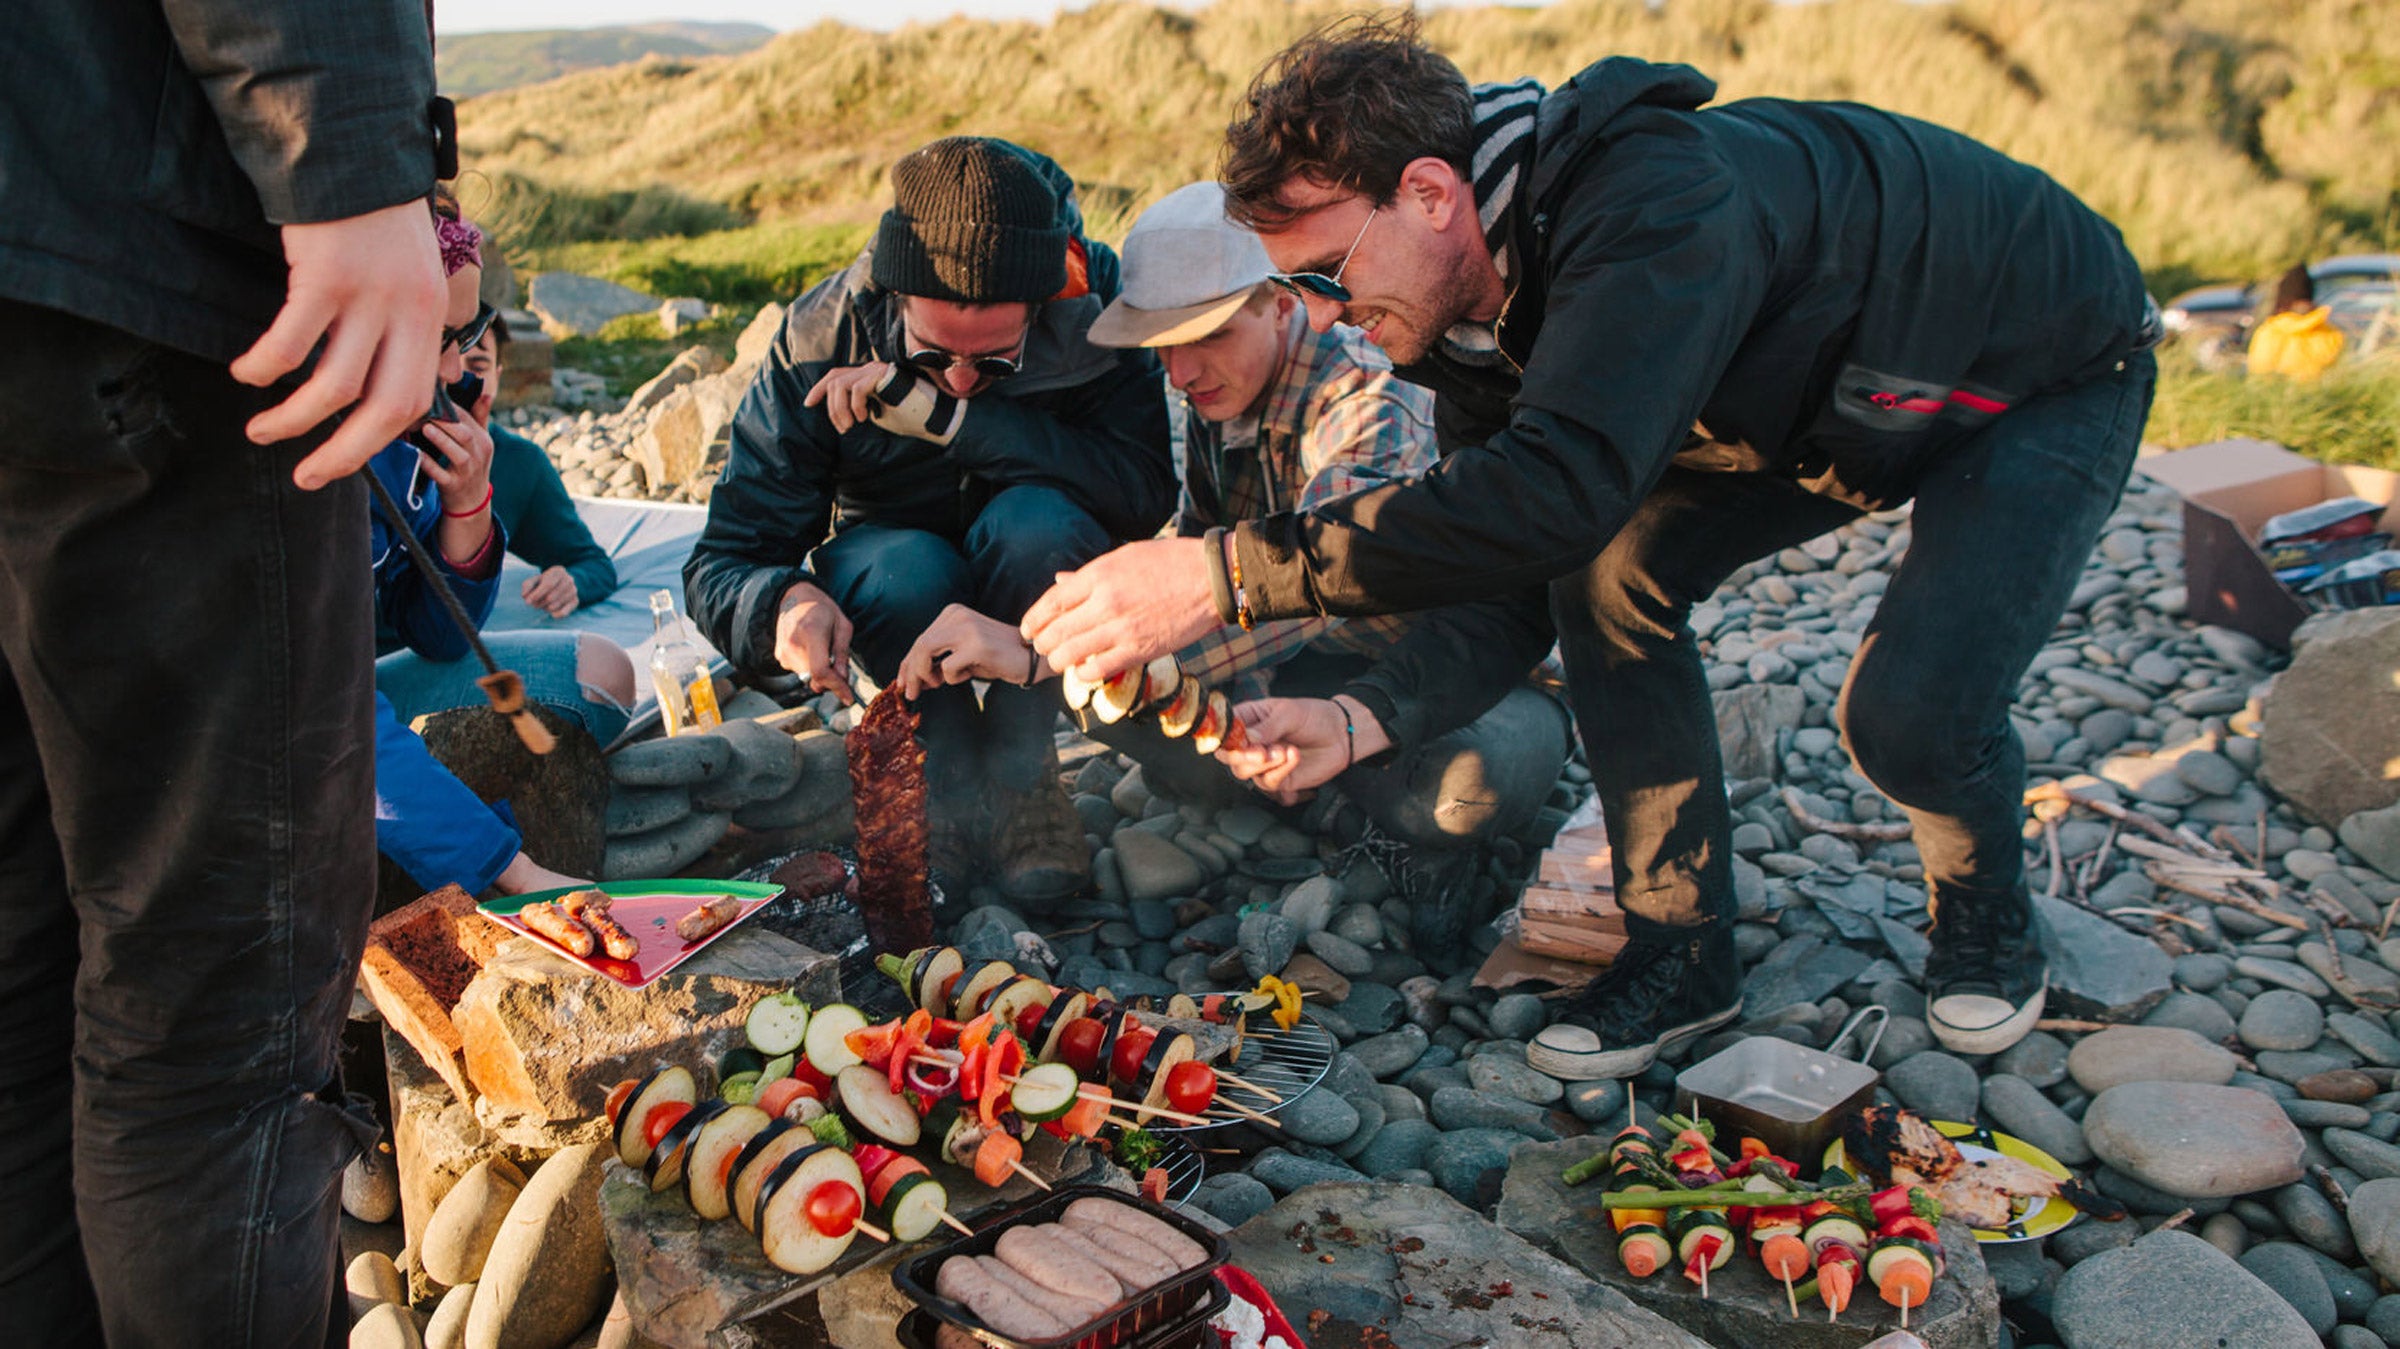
1187	269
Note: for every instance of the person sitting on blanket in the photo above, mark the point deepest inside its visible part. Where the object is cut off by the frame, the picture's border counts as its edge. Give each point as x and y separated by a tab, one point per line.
1275	416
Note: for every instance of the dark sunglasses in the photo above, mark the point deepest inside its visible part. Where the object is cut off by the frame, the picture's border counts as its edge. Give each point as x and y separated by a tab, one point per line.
1318	284
934	361
467	334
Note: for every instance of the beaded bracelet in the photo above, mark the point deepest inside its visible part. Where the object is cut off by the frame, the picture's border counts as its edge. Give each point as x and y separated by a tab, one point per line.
1220	584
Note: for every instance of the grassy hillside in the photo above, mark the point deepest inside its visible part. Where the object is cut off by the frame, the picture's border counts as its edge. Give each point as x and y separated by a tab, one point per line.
2225	137
478	63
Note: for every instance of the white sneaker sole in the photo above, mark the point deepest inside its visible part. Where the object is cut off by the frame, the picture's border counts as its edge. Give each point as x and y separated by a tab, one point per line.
1970	1023
1595	1065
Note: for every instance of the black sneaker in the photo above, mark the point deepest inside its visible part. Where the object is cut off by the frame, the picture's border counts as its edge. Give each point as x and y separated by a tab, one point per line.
1984	981
1656	997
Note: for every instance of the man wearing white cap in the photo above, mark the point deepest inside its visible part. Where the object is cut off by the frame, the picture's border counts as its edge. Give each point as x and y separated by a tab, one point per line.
1277	417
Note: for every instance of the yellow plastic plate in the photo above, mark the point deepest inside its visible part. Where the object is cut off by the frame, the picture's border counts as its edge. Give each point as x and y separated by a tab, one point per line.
2036	1218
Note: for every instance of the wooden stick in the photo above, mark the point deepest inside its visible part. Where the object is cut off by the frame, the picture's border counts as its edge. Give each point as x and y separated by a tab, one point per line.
2162	915
961	1228
2180	1217
1790	1298
2058	865
2223	837
872	1230
2070	1024
1039	1183
1904	1307
1178	1116
2229	900
1247	1113
2390	911
1248	1085
1887	832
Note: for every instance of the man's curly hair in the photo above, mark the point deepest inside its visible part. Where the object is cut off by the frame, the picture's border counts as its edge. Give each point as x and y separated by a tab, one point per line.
1349	105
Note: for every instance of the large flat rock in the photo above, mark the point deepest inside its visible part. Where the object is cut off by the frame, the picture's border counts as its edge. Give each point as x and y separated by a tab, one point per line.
2172	1288
1743	1306
2098	969
546	1038
1368	1265
2331	721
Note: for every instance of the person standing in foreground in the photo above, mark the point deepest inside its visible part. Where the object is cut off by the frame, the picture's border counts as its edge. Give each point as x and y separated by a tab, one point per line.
186	768
1667	341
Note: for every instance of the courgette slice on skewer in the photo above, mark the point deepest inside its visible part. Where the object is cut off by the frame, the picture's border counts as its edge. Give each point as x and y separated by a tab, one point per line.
671	1083
792	1243
664	1168
710	1167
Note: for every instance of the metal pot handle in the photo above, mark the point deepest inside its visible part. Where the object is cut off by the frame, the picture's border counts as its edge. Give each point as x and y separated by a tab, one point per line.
1883	1021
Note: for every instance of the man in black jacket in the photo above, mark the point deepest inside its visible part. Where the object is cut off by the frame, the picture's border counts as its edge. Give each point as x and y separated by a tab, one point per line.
932	428
1666	342
187	850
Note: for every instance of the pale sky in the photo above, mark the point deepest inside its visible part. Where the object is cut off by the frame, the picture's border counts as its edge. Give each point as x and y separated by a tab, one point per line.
474	16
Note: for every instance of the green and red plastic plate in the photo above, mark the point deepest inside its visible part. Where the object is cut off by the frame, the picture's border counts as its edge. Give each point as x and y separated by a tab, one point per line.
646	909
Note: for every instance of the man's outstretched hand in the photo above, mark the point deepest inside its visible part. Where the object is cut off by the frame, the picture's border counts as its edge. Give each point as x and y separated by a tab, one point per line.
370	287
1124	608
1299	744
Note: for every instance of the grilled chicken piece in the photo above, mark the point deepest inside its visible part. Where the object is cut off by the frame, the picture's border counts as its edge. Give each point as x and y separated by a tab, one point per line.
1900	1147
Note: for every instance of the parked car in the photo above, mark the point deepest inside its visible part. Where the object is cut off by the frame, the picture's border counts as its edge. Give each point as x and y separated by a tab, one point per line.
2215	321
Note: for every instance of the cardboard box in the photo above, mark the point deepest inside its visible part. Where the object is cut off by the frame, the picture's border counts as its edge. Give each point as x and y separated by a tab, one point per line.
2230	489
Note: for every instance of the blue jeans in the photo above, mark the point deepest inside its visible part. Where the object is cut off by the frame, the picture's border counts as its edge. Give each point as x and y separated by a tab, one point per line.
892	583
2002	526
547	661
187	850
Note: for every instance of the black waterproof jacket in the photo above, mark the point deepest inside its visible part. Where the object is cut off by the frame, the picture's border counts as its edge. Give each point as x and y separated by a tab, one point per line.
1086	420
148	148
1819	290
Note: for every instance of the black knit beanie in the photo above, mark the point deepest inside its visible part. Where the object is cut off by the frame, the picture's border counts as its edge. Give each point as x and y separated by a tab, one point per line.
971	222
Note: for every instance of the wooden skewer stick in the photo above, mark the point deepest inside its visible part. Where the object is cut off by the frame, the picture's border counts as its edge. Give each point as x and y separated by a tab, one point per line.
1704	1278
1248	1085
872	1230
1039	1183
1904	1308
1249	1114
1790	1298
961	1228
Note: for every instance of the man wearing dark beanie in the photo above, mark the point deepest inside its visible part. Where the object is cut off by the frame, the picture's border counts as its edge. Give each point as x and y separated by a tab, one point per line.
931	427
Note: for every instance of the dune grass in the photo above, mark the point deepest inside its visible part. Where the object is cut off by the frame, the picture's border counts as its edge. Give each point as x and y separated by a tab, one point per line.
2352	416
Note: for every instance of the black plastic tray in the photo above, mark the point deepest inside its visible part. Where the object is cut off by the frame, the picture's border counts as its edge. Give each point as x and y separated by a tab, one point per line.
921	1329
1167	1307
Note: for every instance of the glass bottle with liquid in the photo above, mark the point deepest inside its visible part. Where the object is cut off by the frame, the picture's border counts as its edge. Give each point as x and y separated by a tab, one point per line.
687	694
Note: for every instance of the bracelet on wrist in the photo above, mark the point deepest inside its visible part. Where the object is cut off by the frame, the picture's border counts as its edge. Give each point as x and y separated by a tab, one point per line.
477	509
1349	736
1032	665
1241	597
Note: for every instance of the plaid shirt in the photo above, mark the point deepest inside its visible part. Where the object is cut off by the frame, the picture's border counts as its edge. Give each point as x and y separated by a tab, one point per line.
1336	421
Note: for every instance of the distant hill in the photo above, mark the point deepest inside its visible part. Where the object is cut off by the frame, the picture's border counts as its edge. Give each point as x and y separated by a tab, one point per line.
479	63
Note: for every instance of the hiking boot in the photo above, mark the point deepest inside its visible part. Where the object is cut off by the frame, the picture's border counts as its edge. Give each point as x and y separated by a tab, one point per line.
1037	844
1447	899
954	835
1985	975
1656	997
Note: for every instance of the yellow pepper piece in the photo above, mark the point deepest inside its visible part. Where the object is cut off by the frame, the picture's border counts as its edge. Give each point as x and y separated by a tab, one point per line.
1287	1006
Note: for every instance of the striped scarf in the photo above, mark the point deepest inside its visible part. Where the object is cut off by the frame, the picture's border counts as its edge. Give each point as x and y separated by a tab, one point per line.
1504	118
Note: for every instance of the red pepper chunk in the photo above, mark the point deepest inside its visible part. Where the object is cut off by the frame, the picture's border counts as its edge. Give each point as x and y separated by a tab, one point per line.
1002	1059
1909	1226
1888	1204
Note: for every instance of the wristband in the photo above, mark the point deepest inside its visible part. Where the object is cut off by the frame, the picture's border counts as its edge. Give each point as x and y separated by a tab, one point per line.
1241	598
1032	663
476	509
1349	736
1220	584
